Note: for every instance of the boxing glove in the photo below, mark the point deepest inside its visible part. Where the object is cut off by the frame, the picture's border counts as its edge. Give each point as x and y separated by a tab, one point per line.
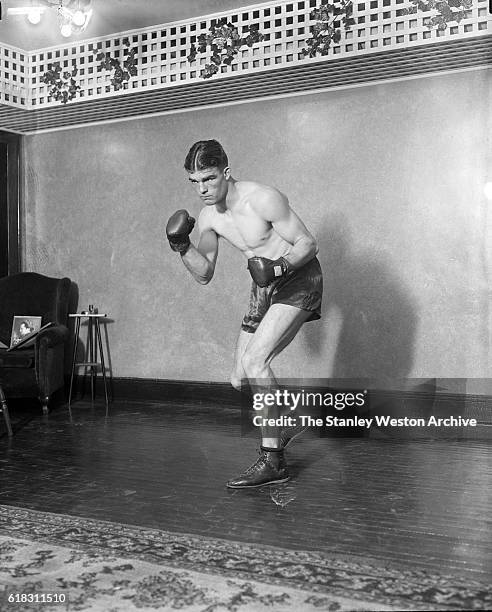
264	271
178	229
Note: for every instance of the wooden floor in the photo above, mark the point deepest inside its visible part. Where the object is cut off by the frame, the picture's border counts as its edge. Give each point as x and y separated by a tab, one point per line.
419	503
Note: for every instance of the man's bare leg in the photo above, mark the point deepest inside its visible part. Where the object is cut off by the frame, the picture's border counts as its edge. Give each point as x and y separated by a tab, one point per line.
277	329
238	375
239	382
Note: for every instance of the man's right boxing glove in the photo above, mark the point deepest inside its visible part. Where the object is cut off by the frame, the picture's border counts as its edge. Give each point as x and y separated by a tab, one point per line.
264	271
178	230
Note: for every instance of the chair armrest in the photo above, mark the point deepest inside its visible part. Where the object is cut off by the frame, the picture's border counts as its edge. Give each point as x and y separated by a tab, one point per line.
52	336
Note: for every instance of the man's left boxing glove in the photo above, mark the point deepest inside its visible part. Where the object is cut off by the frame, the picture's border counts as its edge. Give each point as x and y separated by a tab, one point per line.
178	230
264	271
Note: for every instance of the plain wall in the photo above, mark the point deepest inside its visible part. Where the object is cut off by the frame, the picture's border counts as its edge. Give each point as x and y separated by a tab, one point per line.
389	178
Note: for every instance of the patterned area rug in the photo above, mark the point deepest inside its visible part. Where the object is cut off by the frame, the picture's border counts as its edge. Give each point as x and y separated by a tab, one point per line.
98	565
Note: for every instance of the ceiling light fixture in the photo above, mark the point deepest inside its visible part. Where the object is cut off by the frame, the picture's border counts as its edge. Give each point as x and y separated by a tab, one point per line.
79	18
74	16
34	15
33	11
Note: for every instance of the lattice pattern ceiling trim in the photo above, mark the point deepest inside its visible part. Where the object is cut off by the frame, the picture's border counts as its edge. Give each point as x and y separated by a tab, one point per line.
301	79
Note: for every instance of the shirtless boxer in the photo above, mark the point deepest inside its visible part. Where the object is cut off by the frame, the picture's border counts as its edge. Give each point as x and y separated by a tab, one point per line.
287	280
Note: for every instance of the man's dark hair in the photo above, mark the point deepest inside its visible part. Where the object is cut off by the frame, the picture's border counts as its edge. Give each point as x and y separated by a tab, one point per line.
206	154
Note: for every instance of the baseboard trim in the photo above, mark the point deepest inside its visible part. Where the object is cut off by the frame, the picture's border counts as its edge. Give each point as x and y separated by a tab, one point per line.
164	390
160	390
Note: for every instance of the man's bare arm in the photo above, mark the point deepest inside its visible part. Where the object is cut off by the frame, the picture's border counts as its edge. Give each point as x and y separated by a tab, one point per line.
200	260
274	208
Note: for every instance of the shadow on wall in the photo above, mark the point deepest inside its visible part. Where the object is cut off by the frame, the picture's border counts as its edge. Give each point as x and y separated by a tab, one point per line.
378	315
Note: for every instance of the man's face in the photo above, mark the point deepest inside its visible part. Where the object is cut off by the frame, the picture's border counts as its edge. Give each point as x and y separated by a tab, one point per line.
211	184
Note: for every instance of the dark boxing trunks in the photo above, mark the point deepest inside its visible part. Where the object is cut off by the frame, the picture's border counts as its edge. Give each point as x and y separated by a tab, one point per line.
302	289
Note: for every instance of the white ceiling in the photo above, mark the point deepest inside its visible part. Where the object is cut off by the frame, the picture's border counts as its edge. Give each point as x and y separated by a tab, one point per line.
110	16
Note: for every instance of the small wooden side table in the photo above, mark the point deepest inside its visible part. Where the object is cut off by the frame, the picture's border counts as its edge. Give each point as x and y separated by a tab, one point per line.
5	411
94	342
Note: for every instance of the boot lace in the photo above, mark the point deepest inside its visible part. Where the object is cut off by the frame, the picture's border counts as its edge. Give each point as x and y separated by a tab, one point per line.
257	465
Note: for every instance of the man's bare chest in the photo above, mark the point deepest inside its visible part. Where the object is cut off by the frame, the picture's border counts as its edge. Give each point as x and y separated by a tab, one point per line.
246	231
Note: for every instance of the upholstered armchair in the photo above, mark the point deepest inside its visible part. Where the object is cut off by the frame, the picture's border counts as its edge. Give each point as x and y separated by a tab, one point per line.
37	371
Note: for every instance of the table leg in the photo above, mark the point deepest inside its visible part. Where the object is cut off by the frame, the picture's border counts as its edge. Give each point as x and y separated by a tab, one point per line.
101	354
75	345
91	357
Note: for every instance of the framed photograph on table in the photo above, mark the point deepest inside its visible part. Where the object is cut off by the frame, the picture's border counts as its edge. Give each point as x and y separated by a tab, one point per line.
23	328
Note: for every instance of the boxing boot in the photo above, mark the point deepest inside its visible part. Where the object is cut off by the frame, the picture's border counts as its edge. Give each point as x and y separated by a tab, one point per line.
289	433
269	468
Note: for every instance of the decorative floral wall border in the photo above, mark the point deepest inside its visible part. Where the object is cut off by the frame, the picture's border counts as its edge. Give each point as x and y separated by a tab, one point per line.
224	42
326	31
120	74
447	11
64	86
